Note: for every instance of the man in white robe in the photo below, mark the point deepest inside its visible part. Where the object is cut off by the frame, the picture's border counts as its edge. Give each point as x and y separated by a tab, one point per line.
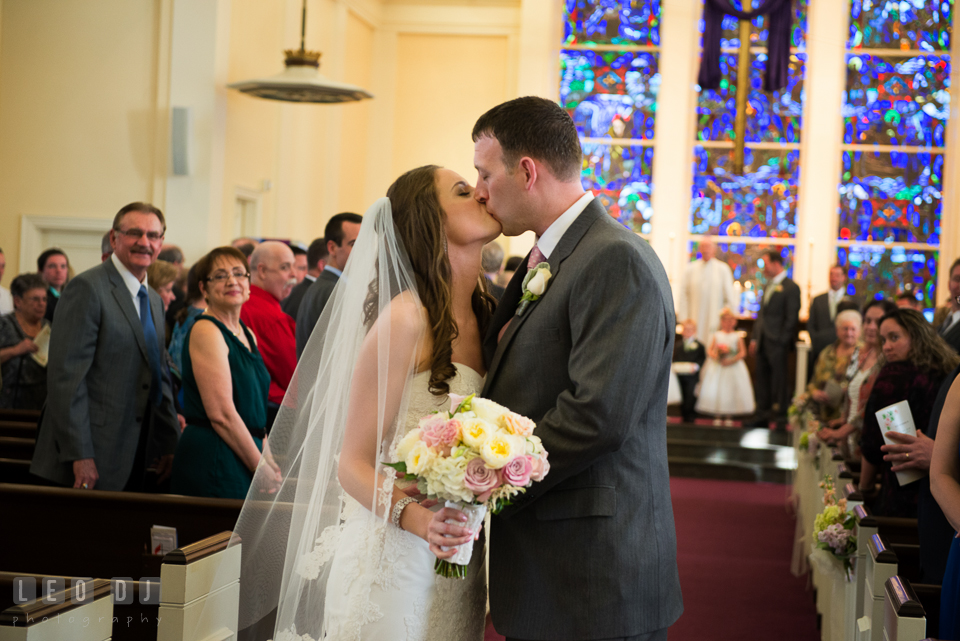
707	289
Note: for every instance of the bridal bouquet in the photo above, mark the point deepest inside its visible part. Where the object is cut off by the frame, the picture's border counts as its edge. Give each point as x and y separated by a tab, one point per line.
477	456
833	528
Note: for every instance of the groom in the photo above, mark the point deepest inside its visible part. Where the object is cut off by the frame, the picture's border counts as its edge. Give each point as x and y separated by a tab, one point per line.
590	552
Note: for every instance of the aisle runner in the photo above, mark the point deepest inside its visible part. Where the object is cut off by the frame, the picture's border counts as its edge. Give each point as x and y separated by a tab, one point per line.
734	545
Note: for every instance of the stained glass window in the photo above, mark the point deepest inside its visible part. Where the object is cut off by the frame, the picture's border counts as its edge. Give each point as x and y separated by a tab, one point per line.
746	262
896	101
891	196
609	79
730	37
877	271
901	100
759	203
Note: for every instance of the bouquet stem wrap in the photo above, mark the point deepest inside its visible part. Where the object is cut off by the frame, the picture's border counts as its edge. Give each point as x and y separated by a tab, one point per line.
456	566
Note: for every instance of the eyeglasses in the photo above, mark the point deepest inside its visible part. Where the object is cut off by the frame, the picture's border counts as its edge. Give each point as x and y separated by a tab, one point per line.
222	277
33	300
136	234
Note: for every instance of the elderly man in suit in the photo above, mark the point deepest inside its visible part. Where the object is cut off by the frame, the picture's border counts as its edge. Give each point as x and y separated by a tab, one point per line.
340	233
774	335
110	412
316	261
589	552
823	314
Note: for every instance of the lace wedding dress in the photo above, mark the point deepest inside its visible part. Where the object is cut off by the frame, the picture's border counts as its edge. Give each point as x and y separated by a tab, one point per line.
382	584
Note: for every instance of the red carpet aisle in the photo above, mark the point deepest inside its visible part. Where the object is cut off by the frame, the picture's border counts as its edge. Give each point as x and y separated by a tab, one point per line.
734	542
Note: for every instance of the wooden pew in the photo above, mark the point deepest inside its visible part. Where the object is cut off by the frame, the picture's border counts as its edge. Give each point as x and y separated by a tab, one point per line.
15	471
19	429
26	416
201	591
881	565
89	620
51	528
21	449
904	618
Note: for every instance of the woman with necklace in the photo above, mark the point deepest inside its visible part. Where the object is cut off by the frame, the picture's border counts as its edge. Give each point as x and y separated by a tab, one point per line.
225	387
24	379
861	373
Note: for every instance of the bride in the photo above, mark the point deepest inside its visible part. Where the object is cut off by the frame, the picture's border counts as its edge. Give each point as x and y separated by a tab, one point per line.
335	547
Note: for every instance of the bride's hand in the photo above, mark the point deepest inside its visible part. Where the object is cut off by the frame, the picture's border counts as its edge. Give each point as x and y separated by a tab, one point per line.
441	533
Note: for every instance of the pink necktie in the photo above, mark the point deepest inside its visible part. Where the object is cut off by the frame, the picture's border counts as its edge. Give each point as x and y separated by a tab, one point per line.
536	257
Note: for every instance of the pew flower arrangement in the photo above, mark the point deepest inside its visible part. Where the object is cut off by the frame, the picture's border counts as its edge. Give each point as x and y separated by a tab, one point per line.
476	457
833	527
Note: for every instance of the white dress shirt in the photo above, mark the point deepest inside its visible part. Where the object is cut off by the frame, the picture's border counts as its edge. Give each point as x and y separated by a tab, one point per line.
130	281
6	301
779	278
333	270
548	241
834	297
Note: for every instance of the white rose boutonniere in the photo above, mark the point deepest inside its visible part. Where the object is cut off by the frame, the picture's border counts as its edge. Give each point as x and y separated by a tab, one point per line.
534	286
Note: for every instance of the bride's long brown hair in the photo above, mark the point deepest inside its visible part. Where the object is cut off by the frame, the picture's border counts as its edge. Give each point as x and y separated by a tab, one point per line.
419	220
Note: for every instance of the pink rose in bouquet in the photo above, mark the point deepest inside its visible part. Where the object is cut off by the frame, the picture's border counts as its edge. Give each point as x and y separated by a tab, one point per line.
723	350
540	466
516	424
517	472
440	432
480	479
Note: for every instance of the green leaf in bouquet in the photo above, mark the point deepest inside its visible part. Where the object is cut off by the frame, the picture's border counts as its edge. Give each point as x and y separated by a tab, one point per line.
464	405
401	469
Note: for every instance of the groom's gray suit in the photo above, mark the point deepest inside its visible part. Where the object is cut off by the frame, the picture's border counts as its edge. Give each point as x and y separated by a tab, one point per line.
590	552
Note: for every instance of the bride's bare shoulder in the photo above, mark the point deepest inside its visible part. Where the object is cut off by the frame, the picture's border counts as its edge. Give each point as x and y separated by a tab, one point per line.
408	317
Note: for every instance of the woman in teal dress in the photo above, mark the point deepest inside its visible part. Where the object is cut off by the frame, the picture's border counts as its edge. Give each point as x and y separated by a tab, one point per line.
945	485
225	386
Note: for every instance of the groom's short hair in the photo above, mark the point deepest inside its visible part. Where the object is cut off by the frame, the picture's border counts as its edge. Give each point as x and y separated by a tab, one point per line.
534	127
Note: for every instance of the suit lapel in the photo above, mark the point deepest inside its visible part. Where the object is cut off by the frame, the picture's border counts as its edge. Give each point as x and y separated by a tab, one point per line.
571	238
122	296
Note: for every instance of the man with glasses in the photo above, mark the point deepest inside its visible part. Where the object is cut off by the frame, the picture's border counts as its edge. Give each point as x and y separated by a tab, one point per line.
110	421
271	279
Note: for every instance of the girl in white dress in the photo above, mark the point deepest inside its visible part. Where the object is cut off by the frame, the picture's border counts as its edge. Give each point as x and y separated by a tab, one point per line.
725	387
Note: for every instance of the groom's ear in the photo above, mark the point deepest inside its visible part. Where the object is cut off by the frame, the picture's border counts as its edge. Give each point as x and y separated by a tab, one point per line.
528	170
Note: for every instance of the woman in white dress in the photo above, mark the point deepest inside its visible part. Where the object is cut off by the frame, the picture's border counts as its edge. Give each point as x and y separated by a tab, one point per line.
342	549
725	387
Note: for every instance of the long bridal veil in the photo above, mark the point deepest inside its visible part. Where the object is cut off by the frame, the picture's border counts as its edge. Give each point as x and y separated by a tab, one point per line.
289	536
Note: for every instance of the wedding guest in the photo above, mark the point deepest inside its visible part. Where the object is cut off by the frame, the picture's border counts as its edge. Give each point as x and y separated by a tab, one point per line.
823	314
909	300
271	279
725	390
774	335
300	264
945	486
245	245
947	319
173	255
185	317
54	267
106	249
707	290
340	234
24	379
225	387
916	361
161	275
689	350
513	263
6	300
492	265
316	261
862	371
829	380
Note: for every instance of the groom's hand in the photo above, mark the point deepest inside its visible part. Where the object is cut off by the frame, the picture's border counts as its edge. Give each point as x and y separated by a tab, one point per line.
449	535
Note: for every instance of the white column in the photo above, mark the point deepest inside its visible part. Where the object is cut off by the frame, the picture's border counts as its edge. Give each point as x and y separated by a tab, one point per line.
949	225
819	199
674	134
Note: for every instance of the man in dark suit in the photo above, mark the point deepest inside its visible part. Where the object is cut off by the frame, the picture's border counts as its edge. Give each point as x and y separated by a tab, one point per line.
110	412
491	262
949	328
774	335
340	234
823	314
316	261
589	552
689	350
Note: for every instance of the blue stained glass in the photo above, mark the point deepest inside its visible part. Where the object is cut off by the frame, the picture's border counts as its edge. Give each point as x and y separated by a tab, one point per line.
759	32
610	94
630	22
891	196
760	203
771	117
901	24
621	177
896	101
746	262
877	272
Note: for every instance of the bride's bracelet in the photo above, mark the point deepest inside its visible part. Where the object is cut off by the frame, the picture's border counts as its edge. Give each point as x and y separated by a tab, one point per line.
398	509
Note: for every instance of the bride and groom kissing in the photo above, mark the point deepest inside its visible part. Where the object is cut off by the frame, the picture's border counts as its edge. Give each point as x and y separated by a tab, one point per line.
587	553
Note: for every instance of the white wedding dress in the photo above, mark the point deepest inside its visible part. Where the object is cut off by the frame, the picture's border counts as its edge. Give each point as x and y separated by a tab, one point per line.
382	584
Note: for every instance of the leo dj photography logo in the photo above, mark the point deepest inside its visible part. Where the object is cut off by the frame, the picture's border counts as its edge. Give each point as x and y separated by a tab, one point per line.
55	591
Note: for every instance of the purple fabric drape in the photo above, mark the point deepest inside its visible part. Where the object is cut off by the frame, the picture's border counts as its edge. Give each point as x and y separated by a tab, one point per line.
778	42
